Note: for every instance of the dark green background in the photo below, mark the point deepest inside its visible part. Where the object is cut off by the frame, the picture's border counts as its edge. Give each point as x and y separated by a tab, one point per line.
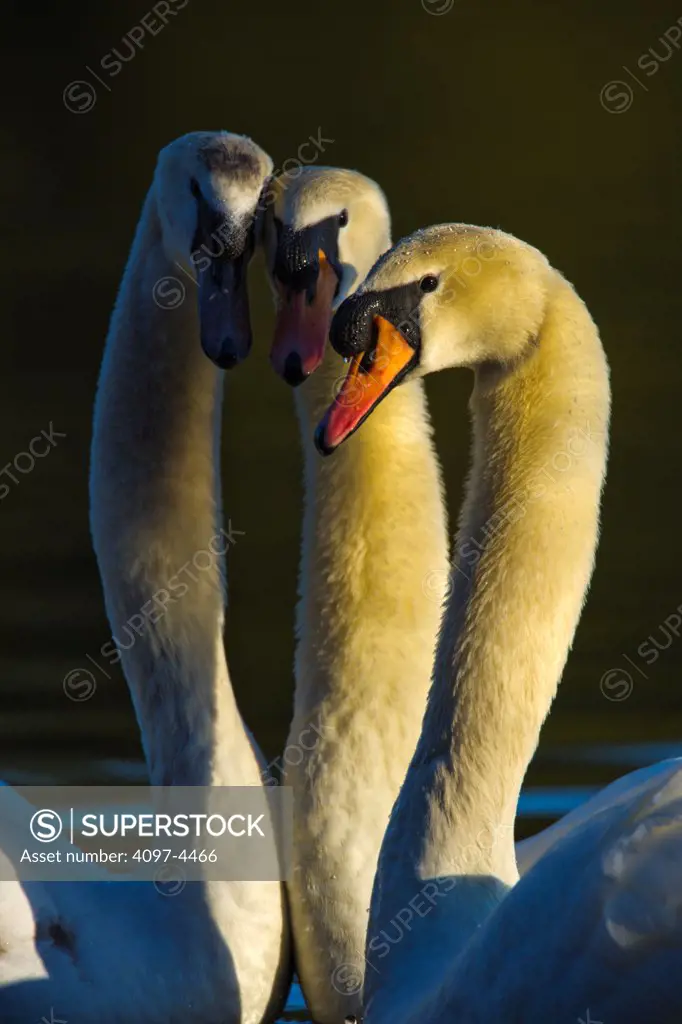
491	114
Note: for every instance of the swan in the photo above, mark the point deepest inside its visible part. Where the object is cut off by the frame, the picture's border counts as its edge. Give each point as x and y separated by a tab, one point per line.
366	625
217	952
325	229
594	930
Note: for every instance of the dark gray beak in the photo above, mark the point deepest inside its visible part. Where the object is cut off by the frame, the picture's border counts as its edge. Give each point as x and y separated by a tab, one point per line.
224	311
221	253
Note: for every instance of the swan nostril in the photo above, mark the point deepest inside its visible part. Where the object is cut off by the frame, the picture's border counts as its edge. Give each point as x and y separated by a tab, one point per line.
293	370
227	360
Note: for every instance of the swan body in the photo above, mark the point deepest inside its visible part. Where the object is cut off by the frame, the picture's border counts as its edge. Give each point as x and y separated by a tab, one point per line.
374	529
623	790
110	952
595	925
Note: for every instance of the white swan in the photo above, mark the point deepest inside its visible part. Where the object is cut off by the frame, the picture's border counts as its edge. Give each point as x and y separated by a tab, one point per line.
326	228
594	931
374	530
117	953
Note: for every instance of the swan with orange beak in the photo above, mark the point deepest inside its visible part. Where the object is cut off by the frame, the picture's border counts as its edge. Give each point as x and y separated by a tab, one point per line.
315	261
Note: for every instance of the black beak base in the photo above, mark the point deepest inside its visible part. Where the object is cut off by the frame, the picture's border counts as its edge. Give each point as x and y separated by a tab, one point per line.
352	330
297	261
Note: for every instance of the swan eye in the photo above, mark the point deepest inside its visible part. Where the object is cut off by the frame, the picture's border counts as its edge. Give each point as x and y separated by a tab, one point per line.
194	188
343	218
429	283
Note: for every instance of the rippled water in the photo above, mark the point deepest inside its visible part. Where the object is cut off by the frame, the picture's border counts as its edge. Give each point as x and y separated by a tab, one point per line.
296	1008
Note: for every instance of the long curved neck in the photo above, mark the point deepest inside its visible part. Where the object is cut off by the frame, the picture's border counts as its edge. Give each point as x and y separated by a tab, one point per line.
155	518
525	555
374	537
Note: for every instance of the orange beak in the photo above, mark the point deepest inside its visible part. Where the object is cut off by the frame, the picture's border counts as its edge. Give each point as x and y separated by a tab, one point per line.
302	327
369	380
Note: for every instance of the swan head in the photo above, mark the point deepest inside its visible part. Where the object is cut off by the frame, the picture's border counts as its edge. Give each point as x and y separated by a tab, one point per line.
324	230
451	295
208	188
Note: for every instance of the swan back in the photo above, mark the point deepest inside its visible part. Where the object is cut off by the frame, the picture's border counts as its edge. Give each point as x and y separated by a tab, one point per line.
595	924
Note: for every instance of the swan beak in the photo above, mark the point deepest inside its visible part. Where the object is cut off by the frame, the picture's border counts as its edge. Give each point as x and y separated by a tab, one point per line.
302	325
372	375
224	312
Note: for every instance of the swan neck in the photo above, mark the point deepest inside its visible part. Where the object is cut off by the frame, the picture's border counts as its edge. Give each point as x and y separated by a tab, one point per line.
362	576
523	561
155	516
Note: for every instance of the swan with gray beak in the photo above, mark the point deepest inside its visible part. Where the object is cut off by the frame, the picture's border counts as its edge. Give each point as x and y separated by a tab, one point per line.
212	233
